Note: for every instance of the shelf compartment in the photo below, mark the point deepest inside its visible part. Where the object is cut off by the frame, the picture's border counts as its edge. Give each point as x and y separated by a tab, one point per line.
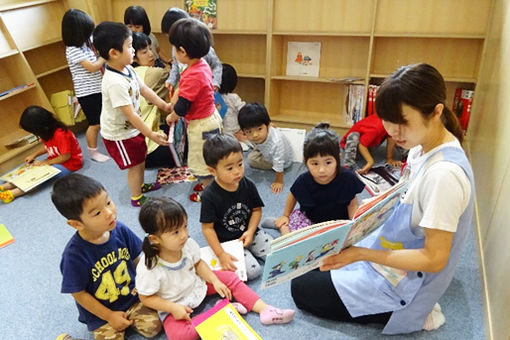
251	58
340	56
47	59
323	16
456	59
235	15
15	72
45	17
56	81
298	101
432	17
251	89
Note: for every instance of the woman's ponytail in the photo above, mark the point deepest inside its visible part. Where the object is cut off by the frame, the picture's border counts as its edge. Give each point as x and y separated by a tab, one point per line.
451	123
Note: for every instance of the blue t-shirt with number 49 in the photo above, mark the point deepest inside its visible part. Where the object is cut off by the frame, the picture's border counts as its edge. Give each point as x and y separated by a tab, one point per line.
105	271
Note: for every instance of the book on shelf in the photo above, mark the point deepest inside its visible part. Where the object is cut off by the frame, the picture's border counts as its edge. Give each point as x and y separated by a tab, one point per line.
5	236
301	251
203	10
303	58
14	89
28	139
372	93
354	103
27	177
223	322
462	102
234	248
220	104
380	178
177	141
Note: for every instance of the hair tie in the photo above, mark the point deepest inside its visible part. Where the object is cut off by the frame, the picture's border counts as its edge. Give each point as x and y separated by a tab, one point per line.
146	235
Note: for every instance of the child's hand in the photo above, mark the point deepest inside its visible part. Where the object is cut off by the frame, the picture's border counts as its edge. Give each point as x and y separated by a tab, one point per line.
170	89
29	160
281	222
227	262
393	162
246	238
168	107
182	312
119	320
222	289
216	88
276	187
159	138
365	169
171	118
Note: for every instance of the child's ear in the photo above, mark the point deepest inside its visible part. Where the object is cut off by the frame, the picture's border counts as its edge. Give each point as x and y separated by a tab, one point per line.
183	50
211	170
112	52
75	224
153	238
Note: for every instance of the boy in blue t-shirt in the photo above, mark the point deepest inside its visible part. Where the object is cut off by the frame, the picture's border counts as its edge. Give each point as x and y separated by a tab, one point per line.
99	262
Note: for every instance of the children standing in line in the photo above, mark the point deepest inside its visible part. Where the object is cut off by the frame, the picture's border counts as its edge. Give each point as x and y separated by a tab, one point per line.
233	101
64	152
326	191
191	41
272	150
367	133
122	128
137	20
169	18
231	206
172	278
85	66
99	262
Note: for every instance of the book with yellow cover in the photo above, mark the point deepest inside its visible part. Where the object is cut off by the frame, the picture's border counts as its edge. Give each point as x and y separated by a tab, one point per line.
27	177
5	236
223	322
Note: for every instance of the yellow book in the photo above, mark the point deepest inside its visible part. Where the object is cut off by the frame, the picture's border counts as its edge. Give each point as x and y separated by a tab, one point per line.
223	322
27	177
5	236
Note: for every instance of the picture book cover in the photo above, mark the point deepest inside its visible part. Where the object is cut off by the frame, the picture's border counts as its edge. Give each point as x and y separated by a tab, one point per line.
5	236
27	177
203	10
303	58
301	251
177	141
223	322
380	178
234	248
220	104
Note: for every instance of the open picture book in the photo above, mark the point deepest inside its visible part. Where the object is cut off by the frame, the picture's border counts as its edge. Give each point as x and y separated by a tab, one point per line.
27	177
380	178
302	250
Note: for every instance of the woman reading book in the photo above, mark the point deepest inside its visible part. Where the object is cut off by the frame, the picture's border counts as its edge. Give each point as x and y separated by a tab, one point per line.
396	275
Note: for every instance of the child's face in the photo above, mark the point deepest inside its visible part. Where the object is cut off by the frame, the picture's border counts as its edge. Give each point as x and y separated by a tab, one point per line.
135	28
145	57
322	168
257	134
229	171
174	240
99	215
124	58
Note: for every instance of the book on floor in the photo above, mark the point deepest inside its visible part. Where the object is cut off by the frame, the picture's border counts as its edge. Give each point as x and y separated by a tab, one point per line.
301	251
27	177
5	236
177	141
234	248
380	178
223	322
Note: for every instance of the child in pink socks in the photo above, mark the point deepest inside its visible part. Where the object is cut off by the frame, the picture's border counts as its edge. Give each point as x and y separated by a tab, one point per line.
172	278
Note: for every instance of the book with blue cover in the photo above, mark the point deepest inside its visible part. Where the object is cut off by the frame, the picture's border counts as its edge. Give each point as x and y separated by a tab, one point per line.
220	104
301	251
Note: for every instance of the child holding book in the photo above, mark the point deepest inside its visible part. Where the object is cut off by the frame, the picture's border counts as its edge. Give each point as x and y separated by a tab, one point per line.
231	206
191	41
326	191
364	134
99	262
396	275
122	128
271	150
60	143
172	278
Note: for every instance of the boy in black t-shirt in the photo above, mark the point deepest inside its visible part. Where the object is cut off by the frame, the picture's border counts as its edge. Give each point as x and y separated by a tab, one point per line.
231	205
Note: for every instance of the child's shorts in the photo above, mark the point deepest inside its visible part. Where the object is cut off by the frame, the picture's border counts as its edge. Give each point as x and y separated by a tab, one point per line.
127	152
199	130
298	220
91	106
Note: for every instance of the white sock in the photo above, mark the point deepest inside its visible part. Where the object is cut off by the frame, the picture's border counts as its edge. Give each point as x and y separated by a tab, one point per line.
435	319
96	155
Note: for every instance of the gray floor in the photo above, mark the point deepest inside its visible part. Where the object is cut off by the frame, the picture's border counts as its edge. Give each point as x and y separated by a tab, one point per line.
32	307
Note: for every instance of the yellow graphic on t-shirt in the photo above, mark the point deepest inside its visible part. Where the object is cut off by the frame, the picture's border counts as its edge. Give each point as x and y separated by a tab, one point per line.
107	289
390	245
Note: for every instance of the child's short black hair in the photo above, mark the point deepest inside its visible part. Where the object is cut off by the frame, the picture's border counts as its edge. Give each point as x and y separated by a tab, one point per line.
77	27
136	15
252	115
218	147
322	141
70	193
172	15
192	35
140	41
41	122
228	79
108	35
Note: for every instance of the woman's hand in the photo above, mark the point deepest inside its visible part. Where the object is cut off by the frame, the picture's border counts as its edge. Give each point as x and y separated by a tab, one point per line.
345	257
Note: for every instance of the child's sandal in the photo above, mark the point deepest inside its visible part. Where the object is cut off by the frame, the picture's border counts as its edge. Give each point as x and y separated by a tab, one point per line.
6	196
146	187
195	197
139	202
198	187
